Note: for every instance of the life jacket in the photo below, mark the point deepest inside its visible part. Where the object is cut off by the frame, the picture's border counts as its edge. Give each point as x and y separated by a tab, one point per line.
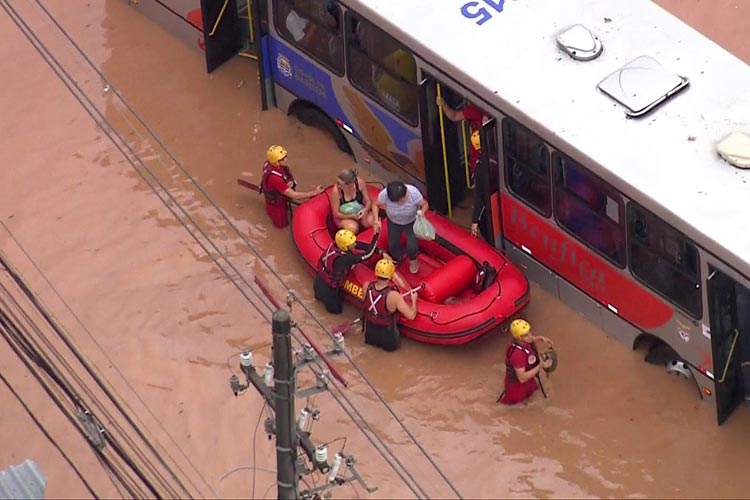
532	359
273	197
331	276
377	311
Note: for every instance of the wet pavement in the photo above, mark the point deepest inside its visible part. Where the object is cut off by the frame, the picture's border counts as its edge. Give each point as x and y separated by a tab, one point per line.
161	300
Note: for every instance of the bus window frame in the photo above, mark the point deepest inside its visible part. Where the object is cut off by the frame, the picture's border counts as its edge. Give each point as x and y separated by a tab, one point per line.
609	190
631	206
506	123
351	16
282	31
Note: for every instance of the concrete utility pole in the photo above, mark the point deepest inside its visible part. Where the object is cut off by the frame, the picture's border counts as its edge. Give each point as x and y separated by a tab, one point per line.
284	389
291	435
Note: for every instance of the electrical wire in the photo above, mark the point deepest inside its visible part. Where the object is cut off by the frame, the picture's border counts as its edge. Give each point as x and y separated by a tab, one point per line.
48	436
255	433
239	469
6	331
269	489
57	355
276	274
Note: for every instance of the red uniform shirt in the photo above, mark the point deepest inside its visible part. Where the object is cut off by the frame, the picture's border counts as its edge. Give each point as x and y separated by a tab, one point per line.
474	116
274	187
519	355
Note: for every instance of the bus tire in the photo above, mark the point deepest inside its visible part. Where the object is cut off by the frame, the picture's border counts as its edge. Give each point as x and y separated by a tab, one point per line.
660	353
313	117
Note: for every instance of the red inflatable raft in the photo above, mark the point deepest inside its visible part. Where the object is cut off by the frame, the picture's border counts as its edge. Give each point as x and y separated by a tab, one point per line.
457	302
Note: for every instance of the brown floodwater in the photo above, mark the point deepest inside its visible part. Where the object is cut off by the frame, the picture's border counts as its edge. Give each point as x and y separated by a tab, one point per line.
161	301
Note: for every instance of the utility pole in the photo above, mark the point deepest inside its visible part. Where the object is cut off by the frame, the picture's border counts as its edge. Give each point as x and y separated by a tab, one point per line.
284	389
292	435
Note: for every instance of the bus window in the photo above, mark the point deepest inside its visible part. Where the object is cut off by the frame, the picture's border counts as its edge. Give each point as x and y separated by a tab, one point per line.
527	167
589	208
382	68
664	259
313	27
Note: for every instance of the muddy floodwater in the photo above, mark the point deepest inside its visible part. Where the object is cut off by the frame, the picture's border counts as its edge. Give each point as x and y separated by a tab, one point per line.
120	211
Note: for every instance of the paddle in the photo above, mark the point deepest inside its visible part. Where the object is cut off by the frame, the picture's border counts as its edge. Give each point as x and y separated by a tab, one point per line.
415	289
249	185
343	328
256	188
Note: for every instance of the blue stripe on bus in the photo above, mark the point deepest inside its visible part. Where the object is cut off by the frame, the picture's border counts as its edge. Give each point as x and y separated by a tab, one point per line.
304	79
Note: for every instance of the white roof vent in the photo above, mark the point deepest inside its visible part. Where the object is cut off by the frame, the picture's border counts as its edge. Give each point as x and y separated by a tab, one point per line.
641	85
735	148
580	43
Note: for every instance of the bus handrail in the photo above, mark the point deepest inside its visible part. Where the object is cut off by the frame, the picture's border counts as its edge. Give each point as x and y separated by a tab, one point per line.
250	20
218	19
445	156
469	184
729	358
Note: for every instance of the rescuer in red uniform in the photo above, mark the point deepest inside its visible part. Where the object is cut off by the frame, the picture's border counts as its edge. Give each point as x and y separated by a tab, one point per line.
522	363
279	187
336	262
472	114
383	304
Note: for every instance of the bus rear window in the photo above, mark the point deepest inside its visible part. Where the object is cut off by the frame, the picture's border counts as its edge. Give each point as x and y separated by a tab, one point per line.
527	167
382	68
664	259
313	26
590	209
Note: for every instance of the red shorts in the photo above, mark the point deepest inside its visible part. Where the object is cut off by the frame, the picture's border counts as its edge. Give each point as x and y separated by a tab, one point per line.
279	214
516	392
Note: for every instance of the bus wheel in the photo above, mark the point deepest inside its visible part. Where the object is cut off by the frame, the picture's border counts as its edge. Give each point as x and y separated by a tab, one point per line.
314	117
659	353
680	368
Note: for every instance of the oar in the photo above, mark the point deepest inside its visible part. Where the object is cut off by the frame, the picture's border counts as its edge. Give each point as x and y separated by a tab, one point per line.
343	328
249	185
256	188
416	289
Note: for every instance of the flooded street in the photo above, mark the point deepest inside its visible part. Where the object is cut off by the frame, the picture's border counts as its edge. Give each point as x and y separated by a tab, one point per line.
110	135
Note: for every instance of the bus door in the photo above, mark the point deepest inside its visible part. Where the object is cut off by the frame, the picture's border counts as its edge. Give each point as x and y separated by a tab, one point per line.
221	31
729	310
444	143
486	185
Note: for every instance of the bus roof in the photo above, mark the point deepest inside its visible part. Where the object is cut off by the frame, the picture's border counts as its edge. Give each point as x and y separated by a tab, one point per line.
668	157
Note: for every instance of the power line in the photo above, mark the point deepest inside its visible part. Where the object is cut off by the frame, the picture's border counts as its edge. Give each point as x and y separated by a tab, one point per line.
56	354
48	436
103	120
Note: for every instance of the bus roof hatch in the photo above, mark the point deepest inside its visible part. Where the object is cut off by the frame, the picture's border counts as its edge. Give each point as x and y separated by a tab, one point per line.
641	85
580	43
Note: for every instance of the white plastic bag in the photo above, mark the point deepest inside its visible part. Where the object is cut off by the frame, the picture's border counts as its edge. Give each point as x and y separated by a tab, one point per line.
423	229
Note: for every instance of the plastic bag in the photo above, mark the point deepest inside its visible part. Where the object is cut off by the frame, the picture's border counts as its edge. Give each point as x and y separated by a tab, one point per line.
423	229
350	208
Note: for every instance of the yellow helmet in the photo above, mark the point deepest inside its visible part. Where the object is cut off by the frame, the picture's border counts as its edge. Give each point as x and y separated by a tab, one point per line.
345	238
519	328
476	141
275	154
385	268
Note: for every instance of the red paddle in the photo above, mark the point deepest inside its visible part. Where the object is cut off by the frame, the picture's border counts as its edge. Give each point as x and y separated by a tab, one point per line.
249	185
